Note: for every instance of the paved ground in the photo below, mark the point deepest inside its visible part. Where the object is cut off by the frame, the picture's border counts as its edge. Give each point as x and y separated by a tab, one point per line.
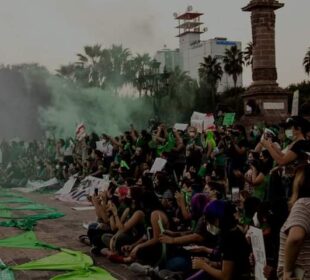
62	232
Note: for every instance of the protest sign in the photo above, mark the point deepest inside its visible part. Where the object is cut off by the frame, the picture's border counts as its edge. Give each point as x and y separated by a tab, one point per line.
99	146
158	165
198	124
229	119
198	116
181	126
258	247
202	121
208	121
295	103
80	131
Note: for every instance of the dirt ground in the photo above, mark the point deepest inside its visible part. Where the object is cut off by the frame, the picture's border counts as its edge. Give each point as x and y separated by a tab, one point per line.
62	232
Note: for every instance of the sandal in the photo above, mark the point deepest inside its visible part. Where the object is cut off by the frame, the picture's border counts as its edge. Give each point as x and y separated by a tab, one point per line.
84	239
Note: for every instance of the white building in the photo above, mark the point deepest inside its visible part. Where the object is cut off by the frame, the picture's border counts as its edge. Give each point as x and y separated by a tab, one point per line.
192	49
169	59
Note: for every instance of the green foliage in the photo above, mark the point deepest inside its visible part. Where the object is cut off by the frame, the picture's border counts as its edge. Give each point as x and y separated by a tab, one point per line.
231	101
233	62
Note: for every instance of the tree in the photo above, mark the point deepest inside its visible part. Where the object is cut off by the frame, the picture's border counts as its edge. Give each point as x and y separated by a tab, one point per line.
210	73
248	54
140	63
306	62
88	63
233	62
120	66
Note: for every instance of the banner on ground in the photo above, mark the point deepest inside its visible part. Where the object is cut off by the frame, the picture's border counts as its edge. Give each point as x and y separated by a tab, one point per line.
229	119
36	185
258	247
85	188
67	186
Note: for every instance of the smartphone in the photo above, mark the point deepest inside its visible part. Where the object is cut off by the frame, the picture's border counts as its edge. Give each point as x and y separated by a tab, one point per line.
96	191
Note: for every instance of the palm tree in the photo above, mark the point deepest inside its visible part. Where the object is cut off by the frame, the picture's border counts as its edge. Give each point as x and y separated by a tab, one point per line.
67	71
233	62
120	66
306	62
211	72
140	63
248	54
88	63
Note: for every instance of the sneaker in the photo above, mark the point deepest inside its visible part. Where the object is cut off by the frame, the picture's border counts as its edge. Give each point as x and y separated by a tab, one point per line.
141	269
169	275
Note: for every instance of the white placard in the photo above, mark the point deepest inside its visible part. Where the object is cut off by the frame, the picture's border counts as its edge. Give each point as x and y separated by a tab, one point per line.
99	146
295	103
258	247
181	126
208	121
273	105
198	124
158	165
198	116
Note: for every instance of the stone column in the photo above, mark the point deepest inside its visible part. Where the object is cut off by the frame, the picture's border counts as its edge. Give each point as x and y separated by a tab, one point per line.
270	101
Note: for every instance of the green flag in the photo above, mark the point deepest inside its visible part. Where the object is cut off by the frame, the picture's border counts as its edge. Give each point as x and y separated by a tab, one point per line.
93	273
16	200
65	260
25	240
28	222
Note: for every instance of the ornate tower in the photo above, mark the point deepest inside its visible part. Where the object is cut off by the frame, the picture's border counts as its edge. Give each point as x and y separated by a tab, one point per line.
264	99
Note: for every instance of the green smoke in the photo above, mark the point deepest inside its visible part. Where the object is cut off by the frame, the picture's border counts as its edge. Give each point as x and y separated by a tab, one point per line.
100	110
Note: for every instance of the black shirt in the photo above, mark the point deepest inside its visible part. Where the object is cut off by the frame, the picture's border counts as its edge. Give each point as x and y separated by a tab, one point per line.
235	248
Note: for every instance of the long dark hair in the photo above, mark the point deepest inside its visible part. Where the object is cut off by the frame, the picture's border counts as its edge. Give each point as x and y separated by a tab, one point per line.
224	211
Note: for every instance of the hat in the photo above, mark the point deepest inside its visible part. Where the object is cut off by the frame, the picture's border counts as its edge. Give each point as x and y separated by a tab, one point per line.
122	192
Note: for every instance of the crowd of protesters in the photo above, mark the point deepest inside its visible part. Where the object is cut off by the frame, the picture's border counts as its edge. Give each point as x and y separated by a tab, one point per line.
191	220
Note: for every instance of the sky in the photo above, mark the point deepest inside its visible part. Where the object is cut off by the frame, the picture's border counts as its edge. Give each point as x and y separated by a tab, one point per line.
52	32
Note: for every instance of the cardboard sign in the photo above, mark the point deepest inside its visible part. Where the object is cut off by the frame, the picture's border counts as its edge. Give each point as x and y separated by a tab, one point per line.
158	165
258	247
229	119
181	126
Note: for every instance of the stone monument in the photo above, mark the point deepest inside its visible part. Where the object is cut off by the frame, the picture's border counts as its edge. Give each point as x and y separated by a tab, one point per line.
264	100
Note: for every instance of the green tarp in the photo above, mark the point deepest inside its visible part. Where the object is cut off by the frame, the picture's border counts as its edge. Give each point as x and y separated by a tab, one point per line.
65	260
28	222
4	213
33	207
93	273
16	200
25	240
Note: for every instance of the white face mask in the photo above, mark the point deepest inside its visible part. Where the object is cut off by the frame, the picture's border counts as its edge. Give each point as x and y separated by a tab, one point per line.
214	230
289	134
